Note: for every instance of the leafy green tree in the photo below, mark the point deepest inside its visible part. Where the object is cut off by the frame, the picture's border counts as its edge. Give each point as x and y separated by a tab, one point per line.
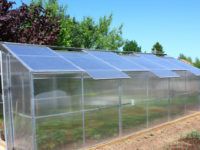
183	57
157	49
131	46
197	63
90	34
57	27
107	37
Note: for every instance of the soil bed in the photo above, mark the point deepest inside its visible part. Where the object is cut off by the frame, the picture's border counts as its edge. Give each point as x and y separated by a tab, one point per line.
159	137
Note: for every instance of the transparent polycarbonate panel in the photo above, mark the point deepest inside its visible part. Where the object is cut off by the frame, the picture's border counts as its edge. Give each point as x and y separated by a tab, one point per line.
59	133
192	102
17	104
135	88
188	67
100	93
96	68
193	83
158	88
144	62
29	50
20	87
42	64
22	132
117	61
55	95
177	106
178	85
6	98
164	62
1	109
39	58
134	117
101	125
165	73
155	68
158	111
1	117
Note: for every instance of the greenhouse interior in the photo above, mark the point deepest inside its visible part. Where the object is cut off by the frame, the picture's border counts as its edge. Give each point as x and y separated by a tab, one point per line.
77	98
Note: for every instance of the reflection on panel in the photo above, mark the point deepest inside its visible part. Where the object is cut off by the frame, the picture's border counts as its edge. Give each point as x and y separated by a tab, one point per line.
99	94
57	95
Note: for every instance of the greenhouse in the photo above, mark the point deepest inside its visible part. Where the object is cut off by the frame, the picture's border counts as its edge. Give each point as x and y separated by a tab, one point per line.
76	98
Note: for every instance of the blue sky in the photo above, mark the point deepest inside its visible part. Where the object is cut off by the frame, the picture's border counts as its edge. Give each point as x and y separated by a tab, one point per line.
174	23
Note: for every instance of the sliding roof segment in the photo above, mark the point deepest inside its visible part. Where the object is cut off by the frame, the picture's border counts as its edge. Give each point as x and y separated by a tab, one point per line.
96	68
188	67
124	63
163	62
40	58
171	63
155	68
117	61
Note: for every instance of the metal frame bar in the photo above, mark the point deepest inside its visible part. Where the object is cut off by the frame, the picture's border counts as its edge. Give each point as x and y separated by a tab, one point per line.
83	107
147	101
33	112
186	75
3	97
10	101
120	106
169	100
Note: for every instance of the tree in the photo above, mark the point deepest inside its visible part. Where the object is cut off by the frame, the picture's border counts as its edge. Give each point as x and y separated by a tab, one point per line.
158	49
131	46
183	57
90	34
28	24
197	63
46	22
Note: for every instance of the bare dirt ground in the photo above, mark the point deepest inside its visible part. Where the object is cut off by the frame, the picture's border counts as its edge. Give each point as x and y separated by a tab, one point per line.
157	138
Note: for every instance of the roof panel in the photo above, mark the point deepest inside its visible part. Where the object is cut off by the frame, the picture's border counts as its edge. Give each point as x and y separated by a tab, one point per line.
163	62
158	70
165	73
144	62
40	58
29	50
188	67
93	66
47	64
117	61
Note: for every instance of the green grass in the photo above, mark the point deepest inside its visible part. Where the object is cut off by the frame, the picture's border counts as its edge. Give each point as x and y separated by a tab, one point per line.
193	134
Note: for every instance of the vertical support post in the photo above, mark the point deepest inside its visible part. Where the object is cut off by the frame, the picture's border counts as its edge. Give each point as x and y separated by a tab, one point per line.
120	106
33	112
4	84
185	93
23	93
83	107
169	101
147	101
54	88
10	100
198	92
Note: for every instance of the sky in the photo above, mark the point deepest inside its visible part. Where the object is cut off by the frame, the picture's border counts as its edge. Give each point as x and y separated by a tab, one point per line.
173	23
